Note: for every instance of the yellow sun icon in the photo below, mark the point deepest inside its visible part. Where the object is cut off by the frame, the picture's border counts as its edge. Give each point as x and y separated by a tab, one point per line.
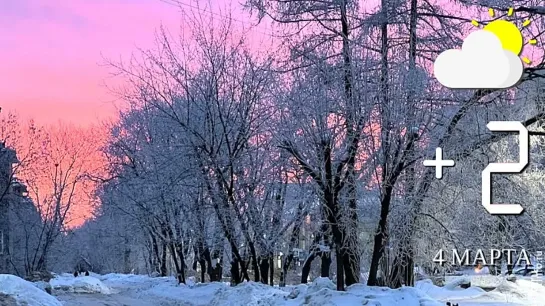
507	32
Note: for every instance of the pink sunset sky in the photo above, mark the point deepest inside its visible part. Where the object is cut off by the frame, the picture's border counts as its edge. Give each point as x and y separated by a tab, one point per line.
51	53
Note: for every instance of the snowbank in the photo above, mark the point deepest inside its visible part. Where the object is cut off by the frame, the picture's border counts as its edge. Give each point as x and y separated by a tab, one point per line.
201	294
250	293
483	281
520	292
449	292
80	284
321	292
25	292
117	278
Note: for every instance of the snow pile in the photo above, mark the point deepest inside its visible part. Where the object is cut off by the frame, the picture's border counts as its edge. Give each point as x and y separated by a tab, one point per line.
44	286
483	281
364	295
321	292
141	283
121	279
487	281
521	292
82	284
190	281
201	294
449	292
320	284
456	281
250	294
25	293
117	276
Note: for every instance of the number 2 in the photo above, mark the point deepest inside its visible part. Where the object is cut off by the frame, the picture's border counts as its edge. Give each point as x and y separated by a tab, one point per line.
514	168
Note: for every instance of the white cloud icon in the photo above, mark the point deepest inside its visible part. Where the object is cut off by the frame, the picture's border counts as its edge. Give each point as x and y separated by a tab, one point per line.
481	63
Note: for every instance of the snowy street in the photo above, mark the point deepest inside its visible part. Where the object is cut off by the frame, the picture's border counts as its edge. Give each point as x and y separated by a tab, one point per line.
123	292
121	299
120	296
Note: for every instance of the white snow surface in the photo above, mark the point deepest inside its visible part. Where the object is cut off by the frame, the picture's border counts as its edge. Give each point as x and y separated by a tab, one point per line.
321	292
520	292
81	284
25	293
140	290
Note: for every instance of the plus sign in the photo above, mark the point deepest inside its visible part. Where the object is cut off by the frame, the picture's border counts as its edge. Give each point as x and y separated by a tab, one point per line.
439	163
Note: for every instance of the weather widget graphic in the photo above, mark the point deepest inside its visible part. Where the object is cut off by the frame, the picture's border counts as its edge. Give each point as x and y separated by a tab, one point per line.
489	57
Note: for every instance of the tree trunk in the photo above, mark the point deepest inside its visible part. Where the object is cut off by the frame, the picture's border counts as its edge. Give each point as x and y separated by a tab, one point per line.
202	263
394	279
200	259
238	261
218	272
211	266
380	236
264	270
348	251
42	263
409	269
126	256
255	262
306	267
340	270
271	270
156	255
285	267
351	268
235	273
215	270
164	271
407	257
222	213
182	265
175	260
326	263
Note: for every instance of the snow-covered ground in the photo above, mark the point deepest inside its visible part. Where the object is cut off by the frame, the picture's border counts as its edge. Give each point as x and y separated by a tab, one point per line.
521	292
138	290
165	291
82	284
25	293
